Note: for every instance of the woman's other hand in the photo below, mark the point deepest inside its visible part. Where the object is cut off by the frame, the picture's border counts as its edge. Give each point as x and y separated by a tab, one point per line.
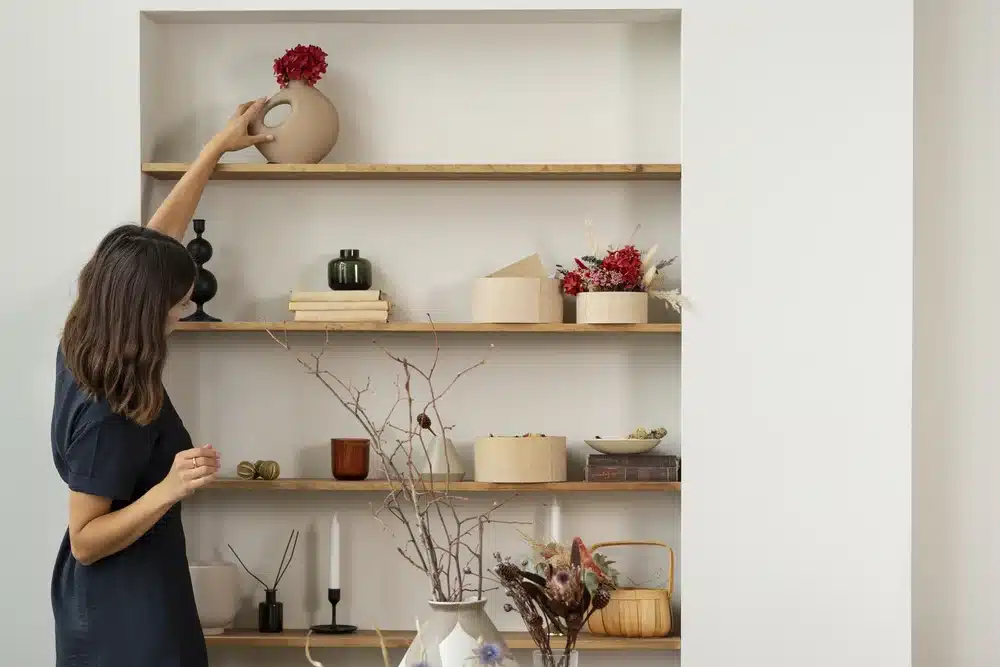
192	469
236	134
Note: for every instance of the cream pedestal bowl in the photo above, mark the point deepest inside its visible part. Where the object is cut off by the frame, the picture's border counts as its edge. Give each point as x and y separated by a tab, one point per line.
215	593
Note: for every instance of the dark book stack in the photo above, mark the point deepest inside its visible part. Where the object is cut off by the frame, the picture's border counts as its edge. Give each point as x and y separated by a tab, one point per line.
633	468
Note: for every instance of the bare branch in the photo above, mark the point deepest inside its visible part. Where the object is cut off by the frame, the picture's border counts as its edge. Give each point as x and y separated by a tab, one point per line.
424	506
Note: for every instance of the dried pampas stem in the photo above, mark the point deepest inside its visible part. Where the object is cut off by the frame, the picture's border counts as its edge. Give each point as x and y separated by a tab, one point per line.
317	663
381	642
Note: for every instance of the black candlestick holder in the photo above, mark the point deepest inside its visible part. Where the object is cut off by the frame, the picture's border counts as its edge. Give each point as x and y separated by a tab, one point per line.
205	284
334	628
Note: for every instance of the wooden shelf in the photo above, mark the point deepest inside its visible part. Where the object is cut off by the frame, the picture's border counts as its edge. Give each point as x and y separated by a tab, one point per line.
171	171
402	639
425	327
307	484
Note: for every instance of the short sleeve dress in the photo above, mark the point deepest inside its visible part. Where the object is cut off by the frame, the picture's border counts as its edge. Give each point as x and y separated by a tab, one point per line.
134	608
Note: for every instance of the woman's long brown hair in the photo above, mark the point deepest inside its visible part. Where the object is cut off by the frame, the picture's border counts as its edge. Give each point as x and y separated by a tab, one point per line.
115	337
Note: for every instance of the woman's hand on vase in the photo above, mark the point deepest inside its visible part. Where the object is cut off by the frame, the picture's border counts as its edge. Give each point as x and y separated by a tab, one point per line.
236	135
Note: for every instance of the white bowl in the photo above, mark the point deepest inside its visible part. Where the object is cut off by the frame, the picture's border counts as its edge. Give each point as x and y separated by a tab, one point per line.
623	445
215	594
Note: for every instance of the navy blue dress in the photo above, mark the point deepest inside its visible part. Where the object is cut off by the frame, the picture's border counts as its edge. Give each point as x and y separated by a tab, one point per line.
135	608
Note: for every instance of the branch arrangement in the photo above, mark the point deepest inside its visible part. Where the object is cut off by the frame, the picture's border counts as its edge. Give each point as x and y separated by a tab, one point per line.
572	585
286	560
436	539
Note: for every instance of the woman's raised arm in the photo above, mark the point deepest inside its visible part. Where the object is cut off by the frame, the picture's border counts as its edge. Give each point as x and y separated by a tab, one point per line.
176	211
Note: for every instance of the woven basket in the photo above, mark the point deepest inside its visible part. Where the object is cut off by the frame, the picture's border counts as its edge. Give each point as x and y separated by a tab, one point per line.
635	612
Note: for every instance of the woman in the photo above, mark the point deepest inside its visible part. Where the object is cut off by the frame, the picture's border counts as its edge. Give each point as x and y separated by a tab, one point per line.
121	590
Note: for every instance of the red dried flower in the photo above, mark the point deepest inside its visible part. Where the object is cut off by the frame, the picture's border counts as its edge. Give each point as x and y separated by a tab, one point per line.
572	283
624	269
303	63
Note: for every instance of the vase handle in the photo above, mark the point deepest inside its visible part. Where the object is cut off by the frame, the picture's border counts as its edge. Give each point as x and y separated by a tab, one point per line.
258	126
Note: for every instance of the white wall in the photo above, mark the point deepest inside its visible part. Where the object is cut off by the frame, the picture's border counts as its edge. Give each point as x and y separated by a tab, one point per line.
796	151
796	230
956	541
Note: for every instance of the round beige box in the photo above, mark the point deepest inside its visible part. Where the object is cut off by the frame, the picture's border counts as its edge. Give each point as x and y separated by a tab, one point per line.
515	300
517	460
612	308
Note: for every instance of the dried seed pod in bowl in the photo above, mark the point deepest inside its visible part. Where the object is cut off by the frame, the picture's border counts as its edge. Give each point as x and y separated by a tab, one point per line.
246	470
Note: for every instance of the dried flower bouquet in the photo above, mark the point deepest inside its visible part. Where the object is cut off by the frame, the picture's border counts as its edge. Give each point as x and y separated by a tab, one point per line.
558	595
624	269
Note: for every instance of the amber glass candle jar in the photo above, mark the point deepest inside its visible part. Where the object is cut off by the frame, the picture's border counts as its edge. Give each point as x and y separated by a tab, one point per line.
349	458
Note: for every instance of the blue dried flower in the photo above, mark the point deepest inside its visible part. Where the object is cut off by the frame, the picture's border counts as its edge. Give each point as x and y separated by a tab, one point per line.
489	655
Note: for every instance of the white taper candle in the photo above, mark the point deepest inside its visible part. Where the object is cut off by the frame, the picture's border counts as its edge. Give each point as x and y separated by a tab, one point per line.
555	521
334	552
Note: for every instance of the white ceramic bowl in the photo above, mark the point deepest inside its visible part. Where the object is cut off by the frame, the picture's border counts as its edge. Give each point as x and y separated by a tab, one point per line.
623	445
215	594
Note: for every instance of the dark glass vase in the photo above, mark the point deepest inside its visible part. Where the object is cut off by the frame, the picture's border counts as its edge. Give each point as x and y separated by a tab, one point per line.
270	613
205	285
349	272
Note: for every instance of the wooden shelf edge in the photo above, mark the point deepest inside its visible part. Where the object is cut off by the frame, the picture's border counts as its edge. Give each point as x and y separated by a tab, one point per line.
332	485
330	171
423	327
402	639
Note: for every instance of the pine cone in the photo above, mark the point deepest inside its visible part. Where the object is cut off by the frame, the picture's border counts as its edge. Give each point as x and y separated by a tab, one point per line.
507	571
602	598
423	420
565	587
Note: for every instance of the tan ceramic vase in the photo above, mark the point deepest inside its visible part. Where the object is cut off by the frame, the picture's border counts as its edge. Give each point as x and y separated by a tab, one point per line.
307	134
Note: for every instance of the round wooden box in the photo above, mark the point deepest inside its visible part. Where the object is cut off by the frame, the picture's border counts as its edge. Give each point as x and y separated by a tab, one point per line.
516	300
612	308
524	459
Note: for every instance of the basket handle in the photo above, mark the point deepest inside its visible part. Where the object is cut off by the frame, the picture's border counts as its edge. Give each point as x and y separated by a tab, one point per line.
670	571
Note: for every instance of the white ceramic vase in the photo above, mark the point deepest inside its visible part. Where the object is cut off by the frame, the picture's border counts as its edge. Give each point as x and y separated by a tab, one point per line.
612	308
453	633
215	593
442	462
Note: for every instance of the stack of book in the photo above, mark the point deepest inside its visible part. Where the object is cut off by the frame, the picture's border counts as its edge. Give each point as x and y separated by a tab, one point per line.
633	468
339	306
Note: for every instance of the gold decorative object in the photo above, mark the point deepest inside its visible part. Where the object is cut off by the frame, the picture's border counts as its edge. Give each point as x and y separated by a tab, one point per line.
258	470
268	470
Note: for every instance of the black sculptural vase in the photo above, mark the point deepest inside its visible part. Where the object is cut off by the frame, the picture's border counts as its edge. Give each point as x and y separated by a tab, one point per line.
349	272
205	285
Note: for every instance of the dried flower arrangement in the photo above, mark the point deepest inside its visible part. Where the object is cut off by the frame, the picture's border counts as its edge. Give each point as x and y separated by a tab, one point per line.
559	594
623	269
302	63
437	540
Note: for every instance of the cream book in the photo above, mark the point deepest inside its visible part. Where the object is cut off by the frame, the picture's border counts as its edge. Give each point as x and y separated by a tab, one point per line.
340	295
342	316
338	305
